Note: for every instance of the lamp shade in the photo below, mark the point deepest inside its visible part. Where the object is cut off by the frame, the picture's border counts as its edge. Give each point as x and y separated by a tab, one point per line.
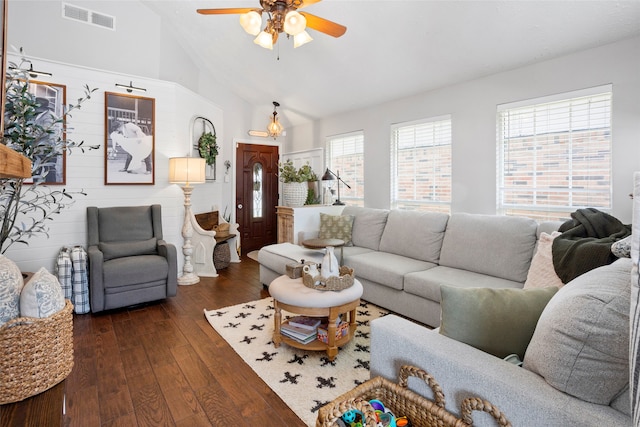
251	22
264	40
300	39
186	170
294	23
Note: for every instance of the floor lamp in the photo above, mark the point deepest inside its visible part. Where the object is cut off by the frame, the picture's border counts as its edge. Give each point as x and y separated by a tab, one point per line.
187	171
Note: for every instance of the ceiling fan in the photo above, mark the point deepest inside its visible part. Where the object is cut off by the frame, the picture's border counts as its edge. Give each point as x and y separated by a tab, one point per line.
282	16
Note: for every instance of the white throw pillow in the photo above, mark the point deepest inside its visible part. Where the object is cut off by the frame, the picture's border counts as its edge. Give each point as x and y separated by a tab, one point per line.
541	272
11	284
42	296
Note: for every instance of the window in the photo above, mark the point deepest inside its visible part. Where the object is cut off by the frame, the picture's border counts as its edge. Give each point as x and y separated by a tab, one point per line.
421	165
345	155
554	155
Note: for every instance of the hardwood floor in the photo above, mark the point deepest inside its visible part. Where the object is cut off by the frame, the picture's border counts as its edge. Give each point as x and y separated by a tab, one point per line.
162	365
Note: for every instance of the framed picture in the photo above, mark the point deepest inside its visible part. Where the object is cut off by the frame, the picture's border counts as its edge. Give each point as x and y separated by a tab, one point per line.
129	140
52	99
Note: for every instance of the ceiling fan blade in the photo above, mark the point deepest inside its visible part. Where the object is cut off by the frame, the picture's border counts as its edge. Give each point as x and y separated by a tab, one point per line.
306	3
324	25
235	10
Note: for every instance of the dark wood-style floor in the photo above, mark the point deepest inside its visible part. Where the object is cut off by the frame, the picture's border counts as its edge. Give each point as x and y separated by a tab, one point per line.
161	365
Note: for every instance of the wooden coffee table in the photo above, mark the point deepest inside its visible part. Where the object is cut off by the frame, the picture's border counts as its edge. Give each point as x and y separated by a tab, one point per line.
293	296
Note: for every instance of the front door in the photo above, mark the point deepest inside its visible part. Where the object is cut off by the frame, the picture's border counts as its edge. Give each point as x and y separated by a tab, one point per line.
256	195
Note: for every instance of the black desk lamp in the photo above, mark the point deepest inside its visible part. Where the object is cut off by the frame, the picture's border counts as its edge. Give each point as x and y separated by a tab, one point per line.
330	176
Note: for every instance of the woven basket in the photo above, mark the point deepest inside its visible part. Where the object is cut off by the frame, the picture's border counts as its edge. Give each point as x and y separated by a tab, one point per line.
221	255
421	411
334	283
36	354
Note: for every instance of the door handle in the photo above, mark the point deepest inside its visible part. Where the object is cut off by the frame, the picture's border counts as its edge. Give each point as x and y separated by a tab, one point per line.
240	206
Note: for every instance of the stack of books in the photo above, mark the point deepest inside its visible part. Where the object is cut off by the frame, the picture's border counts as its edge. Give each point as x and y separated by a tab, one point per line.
301	328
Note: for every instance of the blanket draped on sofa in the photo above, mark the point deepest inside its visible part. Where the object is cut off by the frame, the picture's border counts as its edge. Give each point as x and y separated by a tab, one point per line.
585	242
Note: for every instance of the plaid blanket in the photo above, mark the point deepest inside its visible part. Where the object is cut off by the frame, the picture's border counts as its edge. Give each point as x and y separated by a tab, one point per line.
71	268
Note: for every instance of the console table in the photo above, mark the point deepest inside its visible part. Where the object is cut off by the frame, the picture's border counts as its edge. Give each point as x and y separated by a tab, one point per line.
291	221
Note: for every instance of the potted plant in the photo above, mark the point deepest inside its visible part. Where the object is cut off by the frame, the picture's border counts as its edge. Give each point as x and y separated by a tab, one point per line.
294	184
313	188
25	209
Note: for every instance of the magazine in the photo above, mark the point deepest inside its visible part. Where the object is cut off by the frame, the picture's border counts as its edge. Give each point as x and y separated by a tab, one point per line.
305	322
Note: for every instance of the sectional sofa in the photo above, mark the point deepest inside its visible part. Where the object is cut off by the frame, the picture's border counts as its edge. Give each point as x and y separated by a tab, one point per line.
575	368
402	257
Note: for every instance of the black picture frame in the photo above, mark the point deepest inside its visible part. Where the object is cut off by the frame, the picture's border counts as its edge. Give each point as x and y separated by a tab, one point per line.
129	149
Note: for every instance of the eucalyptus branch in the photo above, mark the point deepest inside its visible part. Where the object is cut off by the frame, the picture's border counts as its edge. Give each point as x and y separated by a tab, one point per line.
41	136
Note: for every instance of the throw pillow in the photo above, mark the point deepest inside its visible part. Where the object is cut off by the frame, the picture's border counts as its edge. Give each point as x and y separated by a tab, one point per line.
496	321
541	272
113	250
581	343
336	227
11	284
42	296
622	248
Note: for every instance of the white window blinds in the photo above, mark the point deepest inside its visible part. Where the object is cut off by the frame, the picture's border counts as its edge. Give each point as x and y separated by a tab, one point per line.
555	157
421	165
345	155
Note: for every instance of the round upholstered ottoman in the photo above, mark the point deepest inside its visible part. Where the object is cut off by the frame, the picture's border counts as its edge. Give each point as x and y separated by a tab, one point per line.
293	296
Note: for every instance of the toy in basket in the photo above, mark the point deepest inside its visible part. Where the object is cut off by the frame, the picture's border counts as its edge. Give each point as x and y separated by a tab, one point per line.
418	410
312	279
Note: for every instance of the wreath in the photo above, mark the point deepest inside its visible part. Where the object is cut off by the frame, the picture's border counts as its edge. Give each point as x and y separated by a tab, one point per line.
208	148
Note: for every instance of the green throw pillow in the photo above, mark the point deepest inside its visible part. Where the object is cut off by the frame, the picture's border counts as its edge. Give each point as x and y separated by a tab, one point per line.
336	227
497	321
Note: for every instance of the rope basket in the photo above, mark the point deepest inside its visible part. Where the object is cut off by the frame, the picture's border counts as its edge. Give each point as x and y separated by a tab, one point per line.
333	283
36	354
421	411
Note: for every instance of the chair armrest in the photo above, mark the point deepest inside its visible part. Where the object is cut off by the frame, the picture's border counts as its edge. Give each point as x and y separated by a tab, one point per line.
95	259
168	250
463	371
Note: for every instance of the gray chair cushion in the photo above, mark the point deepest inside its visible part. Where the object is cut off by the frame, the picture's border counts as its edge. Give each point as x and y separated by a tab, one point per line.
111	250
141	269
125	223
500	246
368	226
581	343
414	234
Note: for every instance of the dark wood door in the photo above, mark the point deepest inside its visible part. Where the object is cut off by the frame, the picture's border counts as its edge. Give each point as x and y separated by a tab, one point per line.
256	195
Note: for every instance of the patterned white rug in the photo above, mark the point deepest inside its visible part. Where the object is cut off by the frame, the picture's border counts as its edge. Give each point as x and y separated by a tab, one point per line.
305	380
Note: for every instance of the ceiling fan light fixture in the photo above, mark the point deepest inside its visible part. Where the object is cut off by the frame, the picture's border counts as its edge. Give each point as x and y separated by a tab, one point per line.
264	40
251	22
294	23
301	39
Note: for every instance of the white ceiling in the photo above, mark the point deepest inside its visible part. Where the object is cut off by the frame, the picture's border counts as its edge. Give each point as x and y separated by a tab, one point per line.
391	49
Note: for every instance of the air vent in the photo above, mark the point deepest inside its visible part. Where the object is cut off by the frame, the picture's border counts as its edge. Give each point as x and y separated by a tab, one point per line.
87	16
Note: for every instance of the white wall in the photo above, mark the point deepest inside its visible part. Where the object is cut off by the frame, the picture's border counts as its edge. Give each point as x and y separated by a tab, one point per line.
473	109
175	107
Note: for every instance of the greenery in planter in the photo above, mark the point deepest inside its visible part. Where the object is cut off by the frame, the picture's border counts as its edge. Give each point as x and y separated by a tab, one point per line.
289	173
208	147
26	209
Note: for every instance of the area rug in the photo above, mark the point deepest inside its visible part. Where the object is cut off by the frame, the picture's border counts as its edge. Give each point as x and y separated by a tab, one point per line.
304	380
253	255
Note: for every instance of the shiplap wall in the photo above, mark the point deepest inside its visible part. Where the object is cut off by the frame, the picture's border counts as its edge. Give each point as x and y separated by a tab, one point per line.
175	108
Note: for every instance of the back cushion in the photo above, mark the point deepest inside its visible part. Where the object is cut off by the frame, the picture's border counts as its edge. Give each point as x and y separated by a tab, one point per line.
368	226
414	234
132	248
500	246
125	223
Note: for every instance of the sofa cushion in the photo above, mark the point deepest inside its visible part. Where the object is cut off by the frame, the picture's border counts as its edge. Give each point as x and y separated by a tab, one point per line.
42	295
581	343
500	246
414	234
496	321
11	284
426	283
111	250
385	268
276	257
336	227
541	272
368	226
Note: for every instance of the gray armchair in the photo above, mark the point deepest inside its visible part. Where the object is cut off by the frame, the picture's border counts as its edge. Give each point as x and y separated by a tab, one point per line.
129	262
